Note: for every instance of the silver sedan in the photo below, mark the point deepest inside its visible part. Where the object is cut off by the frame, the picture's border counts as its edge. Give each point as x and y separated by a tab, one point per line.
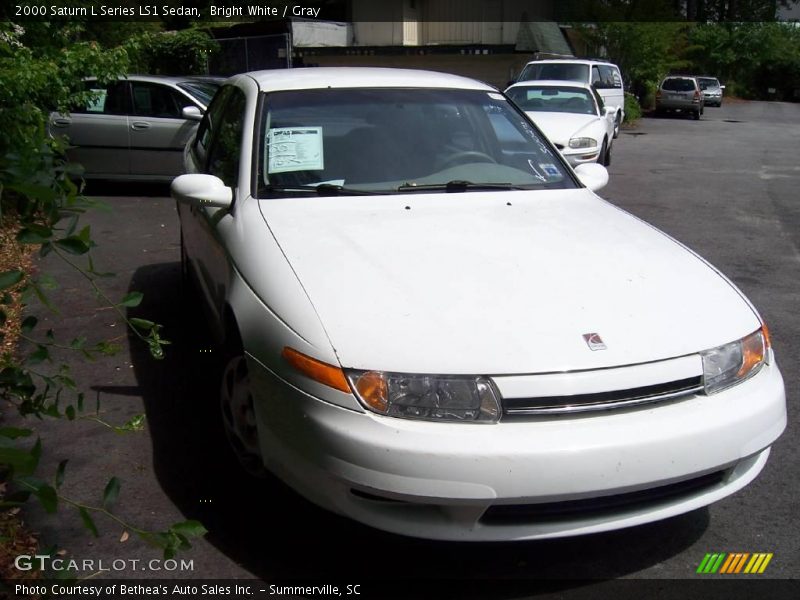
135	128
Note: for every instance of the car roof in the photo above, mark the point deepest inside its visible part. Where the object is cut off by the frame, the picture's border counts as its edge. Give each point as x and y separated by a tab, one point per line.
174	79
354	77
551	83
581	61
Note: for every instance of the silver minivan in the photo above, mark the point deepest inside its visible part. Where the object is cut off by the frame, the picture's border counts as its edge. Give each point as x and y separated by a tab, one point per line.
135	128
605	77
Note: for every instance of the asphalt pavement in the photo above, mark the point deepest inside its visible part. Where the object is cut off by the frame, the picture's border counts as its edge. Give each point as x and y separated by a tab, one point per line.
726	186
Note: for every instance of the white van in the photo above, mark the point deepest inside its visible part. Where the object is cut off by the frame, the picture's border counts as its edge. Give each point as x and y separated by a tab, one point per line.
605	77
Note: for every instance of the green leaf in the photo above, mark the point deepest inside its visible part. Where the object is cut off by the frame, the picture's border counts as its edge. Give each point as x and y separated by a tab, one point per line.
110	493
34	235
73	245
48	498
132	299
190	528
13	433
28	324
60	473
85	235
136	423
141	323
9	278
22	461
70	412
88	522
39	355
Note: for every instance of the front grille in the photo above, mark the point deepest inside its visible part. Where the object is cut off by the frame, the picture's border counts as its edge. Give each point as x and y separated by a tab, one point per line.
602	400
509	514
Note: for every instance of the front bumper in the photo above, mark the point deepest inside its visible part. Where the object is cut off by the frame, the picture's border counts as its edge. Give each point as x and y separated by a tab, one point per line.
445	481
579	156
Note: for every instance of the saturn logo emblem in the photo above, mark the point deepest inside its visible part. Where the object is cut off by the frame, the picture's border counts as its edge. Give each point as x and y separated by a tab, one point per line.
594	341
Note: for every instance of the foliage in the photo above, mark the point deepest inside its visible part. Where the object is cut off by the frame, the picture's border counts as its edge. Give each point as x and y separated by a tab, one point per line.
645	52
171	52
749	58
37	192
633	110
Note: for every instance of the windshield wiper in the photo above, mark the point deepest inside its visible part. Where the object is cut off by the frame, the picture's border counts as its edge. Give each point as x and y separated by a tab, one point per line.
458	185
322	189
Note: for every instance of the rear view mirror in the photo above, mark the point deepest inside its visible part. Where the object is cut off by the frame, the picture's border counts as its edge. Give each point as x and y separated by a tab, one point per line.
198	189
592	175
192	113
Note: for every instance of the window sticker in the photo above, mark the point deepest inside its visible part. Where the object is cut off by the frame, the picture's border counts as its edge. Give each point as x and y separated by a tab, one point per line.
97	103
536	173
295	149
550	170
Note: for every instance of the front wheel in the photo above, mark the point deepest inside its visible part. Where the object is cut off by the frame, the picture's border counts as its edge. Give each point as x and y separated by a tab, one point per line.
238	413
603	158
617	124
696	115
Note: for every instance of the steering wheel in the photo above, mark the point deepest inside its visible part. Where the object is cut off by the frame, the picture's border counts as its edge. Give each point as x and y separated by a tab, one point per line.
466	157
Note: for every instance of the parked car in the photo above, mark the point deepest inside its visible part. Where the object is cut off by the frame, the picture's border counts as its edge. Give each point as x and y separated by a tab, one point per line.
571	115
712	90
604	76
135	128
680	94
427	322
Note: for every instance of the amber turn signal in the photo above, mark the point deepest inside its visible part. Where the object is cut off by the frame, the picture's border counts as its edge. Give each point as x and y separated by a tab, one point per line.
317	370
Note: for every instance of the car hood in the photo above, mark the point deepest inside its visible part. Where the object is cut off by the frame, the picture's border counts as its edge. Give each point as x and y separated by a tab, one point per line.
500	283
560	127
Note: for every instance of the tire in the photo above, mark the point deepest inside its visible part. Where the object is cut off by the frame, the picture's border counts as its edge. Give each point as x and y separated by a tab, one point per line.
602	158
617	124
238	410
696	115
607	162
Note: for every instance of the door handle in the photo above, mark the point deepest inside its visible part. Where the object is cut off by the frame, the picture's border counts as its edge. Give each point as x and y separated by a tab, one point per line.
61	122
139	125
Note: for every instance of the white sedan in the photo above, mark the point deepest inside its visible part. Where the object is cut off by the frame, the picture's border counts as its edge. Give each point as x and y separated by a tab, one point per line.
431	324
571	115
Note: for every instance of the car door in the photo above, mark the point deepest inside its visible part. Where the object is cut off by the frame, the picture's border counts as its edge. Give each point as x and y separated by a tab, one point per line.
158	131
224	151
97	131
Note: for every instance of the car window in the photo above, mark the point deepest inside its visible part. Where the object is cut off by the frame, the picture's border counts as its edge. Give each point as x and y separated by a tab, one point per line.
105	100
203	137
393	140
553	99
557	71
678	85
597	79
607	77
226	138
202	90
156	100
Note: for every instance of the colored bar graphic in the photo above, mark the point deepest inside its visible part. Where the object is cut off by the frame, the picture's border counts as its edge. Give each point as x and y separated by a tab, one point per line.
733	563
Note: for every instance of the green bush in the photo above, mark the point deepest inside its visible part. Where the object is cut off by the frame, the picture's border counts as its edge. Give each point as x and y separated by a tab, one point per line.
171	52
632	109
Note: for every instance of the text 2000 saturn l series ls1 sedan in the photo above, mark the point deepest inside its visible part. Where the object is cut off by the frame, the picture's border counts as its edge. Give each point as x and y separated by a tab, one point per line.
432	325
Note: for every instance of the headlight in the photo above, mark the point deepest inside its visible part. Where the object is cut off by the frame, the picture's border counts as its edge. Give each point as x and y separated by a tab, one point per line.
732	363
582	143
427	397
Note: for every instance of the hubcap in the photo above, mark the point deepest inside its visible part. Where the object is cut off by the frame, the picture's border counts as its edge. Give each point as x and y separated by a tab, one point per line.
239	417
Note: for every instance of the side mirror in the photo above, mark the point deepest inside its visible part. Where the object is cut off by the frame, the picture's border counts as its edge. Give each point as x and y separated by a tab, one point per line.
192	113
609	110
592	175
198	189
722	87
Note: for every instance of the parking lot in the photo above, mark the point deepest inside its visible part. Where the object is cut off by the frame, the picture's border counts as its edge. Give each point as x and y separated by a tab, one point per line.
726	186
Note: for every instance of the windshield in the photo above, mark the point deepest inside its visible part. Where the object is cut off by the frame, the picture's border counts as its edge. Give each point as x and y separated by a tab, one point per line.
400	140
678	85
202	90
558	71
708	82
553	99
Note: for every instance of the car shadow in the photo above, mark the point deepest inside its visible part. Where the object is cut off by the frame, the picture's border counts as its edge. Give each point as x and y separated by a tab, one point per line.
274	533
103	188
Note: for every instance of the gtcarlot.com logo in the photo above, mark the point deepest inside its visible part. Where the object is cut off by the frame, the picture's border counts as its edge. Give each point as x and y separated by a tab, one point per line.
733	563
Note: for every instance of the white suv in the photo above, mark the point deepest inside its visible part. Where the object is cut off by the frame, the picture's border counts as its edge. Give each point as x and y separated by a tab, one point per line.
604	77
